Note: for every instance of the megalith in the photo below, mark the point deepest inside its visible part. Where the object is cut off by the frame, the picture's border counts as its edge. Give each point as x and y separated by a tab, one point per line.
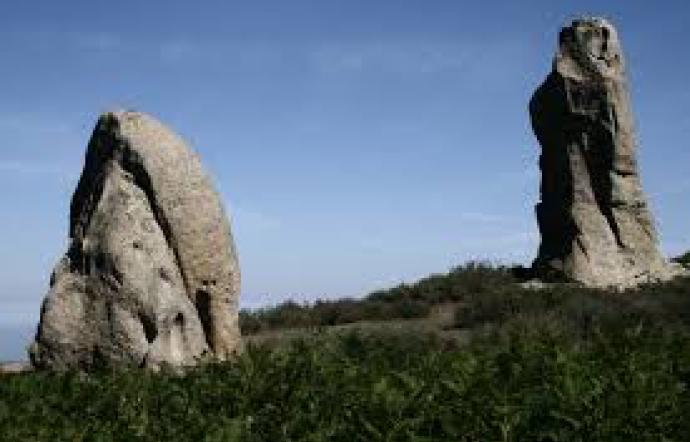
595	224
151	275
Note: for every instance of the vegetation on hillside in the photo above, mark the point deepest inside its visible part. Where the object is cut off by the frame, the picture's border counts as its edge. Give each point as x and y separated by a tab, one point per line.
484	294
628	384
557	364
406	301
684	260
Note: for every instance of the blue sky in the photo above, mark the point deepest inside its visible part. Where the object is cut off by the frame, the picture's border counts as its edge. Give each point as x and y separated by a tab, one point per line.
357	144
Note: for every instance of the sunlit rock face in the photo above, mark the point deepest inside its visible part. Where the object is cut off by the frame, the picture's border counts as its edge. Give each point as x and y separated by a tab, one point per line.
595	224
151	276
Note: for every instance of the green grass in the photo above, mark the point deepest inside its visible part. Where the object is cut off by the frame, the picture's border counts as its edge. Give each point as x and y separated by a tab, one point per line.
625	385
560	364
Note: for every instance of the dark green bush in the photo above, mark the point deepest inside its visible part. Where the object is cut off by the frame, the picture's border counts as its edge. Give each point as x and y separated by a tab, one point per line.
683	260
580	310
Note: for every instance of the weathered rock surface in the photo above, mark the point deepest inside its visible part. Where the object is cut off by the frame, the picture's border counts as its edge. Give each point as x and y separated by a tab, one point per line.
151	275
14	367
596	227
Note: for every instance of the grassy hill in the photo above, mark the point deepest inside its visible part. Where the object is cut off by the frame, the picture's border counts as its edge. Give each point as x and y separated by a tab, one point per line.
474	298
465	356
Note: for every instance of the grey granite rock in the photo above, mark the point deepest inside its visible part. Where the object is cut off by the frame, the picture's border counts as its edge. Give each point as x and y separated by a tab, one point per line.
595	224
151	276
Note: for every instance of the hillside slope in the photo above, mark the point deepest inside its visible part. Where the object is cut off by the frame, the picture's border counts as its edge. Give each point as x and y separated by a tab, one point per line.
488	360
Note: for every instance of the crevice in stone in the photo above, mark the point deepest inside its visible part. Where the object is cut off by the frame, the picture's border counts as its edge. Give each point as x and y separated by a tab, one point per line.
623	173
144	361
89	190
179	320
203	307
149	326
581	246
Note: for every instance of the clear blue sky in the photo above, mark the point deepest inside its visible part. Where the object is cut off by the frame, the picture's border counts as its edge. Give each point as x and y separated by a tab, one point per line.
357	144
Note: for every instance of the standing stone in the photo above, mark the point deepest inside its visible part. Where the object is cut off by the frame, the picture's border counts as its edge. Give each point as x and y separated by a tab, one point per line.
596	227
151	276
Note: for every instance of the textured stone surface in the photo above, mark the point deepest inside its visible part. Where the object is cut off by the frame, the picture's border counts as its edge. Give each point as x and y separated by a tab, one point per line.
151	275
596	227
14	367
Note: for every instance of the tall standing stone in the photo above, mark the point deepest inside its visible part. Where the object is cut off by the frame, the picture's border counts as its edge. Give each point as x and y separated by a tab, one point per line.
596	227
151	275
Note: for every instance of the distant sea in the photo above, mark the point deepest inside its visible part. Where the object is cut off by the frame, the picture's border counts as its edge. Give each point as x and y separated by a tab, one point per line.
14	340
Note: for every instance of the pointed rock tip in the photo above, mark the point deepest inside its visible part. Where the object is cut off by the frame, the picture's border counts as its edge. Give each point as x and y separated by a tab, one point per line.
589	20
119	115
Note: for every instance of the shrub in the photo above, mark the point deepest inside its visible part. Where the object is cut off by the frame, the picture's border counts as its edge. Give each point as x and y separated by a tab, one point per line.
577	310
629	384
684	260
405	301
486	293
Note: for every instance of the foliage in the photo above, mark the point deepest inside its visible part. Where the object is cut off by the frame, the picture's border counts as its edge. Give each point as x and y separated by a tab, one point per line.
486	293
328	313
406	301
581	310
684	260
629	384
562	363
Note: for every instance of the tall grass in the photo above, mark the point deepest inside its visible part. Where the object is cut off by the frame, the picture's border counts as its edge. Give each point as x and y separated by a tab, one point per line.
558	364
629	384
